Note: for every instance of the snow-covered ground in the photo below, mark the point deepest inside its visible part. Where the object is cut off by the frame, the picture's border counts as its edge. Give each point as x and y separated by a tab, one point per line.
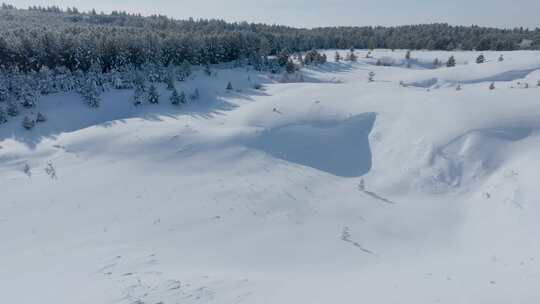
333	190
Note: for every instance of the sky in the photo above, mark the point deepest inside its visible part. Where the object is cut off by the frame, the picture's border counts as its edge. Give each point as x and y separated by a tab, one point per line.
313	13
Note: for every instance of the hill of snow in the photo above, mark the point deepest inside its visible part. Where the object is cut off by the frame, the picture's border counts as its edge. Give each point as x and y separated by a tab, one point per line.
331	190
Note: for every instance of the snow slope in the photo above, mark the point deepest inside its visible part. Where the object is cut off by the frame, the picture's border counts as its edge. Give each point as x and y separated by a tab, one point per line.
333	190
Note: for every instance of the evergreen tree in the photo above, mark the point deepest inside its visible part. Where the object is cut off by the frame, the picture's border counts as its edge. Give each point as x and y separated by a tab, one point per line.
408	55
176	98
229	86
195	95
138	95
40	117
90	93
283	57
458	87
480	59
153	95
501	58
290	67
28	123
451	62
12	108
492	86
337	57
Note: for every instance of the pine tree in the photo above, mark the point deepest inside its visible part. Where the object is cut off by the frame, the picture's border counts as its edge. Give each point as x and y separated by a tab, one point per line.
283	57
229	86
28	97
28	123
169	81
195	95
153	95
290	67
451	62
501	58
492	86
176	99
408	55
40	117
3	115
138	95
458	87
90	93
337	57
12	108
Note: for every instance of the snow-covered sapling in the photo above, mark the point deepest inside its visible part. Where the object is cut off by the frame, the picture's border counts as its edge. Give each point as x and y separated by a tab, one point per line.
28	123
153	95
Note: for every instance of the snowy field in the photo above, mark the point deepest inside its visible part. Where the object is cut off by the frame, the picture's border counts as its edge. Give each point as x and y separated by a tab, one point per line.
331	190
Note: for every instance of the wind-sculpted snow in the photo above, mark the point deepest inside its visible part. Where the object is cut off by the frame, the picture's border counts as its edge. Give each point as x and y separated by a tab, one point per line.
340	148
332	190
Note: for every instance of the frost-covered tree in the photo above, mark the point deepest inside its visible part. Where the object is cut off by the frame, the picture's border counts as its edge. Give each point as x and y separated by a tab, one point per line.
91	93
451	62
290	67
177	98
12	108
153	95
28	123
283	57
195	95
480	59
139	95
40	117
28	97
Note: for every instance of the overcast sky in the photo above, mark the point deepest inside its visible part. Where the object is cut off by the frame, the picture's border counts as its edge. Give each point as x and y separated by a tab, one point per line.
302	13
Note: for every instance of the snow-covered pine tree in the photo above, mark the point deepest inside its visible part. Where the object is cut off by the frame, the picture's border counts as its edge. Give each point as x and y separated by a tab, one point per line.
12	108
290	67
451	62
229	86
28	123
501	58
153	95
538	83
90	93
28	96
169	81
40	117
195	95
138	95
480	59
184	71
492	86
177	98
283	57
337	57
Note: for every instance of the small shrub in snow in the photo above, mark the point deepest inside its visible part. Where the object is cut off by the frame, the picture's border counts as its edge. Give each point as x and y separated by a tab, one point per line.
480	59
153	95
408	55
40	117
28	123
458	88
371	76
229	86
451	62
501	58
492	86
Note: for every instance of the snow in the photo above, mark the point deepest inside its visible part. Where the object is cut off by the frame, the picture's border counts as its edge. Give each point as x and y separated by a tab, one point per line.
332	190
